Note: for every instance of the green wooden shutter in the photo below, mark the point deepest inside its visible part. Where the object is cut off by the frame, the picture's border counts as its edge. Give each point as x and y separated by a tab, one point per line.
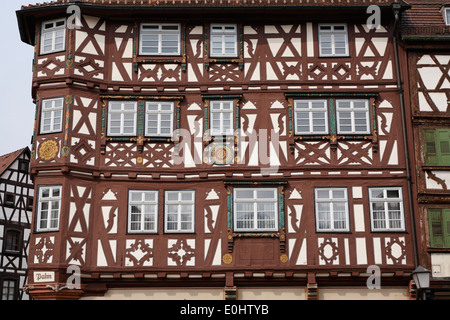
446	225
435	223
431	158
443	146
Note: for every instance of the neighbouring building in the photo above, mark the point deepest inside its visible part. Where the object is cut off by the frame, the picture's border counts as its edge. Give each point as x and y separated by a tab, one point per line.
220	150
426	35
16	203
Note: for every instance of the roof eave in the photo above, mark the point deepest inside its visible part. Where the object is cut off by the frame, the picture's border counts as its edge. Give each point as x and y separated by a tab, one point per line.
26	17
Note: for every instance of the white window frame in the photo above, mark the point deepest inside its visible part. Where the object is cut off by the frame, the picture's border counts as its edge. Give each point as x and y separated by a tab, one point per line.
55	32
53	204
447	16
332	202
160	32
179	214
310	112
333	33
122	112
217	110
53	109
221	34
9	288
253	202
161	112
386	211
352	110
143	206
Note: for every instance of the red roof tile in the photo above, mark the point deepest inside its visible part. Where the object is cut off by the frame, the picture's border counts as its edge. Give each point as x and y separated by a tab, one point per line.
220	3
7	159
425	18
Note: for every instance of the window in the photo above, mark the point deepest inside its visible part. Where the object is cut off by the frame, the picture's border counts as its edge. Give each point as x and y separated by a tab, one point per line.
10	200
159	119
222	117
255	209
160	39
52	114
30	201
437	147
122	118
12	240
310	117
331	209
447	16
49	208
23	166
179	211
353	116
9	289
53	36
142	211
333	40
386	208
223	40
439	224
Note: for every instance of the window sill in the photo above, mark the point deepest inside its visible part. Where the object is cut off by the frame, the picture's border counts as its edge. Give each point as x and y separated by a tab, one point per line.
438	250
228	60
388	231
256	234
11	253
52	52
334	56
135	233
45	231
443	167
334	231
339	137
140	138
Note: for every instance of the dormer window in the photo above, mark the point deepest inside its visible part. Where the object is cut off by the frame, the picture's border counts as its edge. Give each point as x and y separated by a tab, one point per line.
447	16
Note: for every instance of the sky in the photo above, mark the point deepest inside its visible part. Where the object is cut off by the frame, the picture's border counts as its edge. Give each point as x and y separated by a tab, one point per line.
16	103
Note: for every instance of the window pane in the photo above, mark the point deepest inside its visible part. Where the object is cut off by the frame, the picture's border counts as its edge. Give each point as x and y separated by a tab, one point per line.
376	193
245	194
323	194
338	194
324	220
265	194
393	194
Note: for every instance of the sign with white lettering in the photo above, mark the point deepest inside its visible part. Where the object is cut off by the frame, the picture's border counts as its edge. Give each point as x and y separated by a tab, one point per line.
44	276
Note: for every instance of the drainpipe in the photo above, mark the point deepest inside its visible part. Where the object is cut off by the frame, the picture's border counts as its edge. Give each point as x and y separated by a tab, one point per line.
396	9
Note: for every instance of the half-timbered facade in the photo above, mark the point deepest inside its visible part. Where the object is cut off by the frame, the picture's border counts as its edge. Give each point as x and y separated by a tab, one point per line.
16	203
218	150
425	32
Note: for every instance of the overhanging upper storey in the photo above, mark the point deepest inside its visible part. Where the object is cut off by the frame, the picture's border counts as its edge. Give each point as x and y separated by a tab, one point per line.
261	9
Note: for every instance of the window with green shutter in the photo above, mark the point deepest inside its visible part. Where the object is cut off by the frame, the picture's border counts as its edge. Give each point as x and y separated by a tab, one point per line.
437	147
439	224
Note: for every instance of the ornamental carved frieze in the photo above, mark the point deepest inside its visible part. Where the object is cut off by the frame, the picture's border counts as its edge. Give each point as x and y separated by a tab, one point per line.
139	253
181	252
44	249
48	150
